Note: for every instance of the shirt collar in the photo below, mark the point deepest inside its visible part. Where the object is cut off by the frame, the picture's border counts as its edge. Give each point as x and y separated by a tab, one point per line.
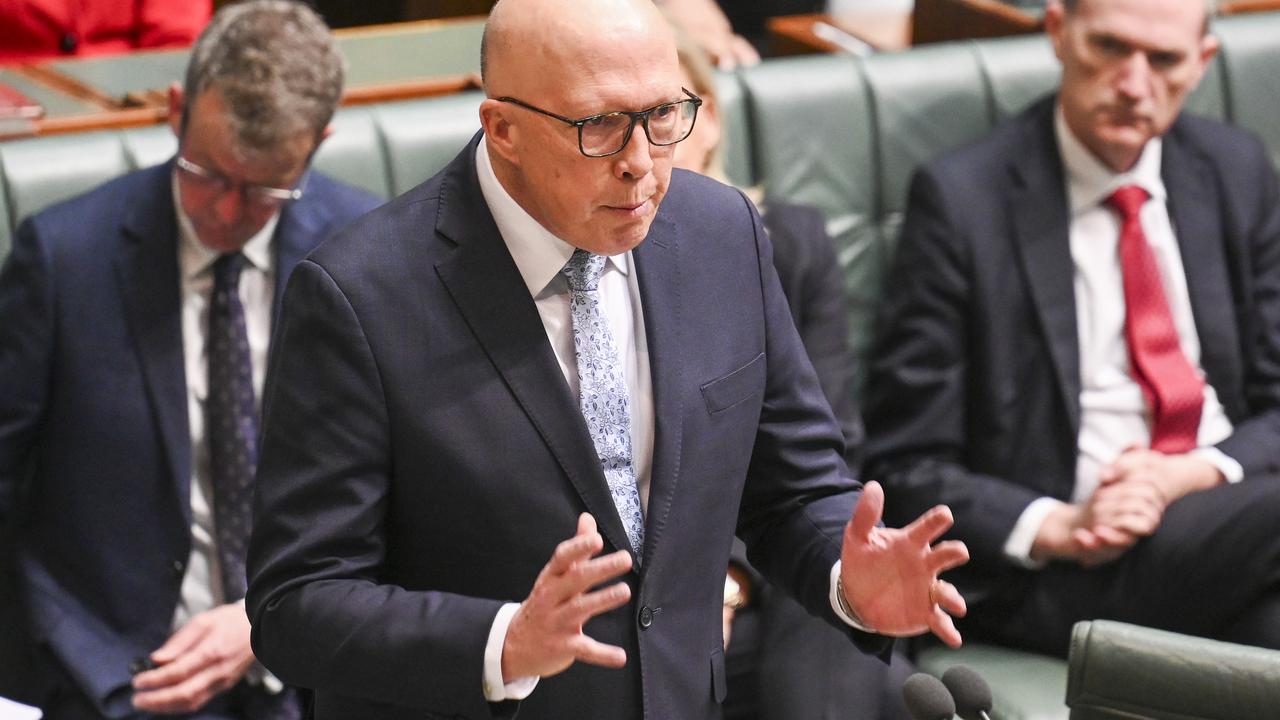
1090	182
195	258
538	253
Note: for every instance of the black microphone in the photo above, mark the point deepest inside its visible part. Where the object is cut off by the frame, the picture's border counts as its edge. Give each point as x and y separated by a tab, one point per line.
971	693
927	698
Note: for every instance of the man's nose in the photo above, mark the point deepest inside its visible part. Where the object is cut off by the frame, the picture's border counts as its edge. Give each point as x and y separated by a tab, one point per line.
636	159
1134	79
229	205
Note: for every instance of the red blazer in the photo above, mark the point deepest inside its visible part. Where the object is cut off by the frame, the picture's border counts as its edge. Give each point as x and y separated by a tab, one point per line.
38	29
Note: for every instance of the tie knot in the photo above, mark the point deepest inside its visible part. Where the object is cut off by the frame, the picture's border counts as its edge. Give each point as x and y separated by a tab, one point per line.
583	271
1128	200
226	270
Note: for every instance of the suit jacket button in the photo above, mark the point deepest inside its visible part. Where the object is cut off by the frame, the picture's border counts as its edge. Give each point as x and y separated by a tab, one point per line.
69	42
646	617
179	567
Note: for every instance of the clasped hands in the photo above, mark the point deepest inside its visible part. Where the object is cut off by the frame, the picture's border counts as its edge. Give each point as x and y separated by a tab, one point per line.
889	577
1128	505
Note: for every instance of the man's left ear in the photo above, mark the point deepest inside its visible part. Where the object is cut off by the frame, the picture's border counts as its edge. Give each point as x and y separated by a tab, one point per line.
1209	45
324	134
176	98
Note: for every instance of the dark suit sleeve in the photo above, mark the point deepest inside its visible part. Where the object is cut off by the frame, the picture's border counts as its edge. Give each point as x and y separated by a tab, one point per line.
918	387
813	282
26	332
314	570
798	493
1255	438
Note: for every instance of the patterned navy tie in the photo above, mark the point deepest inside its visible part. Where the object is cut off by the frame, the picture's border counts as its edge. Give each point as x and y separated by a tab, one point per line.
231	424
603	394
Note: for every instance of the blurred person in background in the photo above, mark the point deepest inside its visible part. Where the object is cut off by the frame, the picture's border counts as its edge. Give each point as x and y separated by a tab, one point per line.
134	329
782	663
51	29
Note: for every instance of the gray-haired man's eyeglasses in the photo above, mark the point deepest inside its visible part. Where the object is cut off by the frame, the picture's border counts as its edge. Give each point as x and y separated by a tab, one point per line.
608	133
212	181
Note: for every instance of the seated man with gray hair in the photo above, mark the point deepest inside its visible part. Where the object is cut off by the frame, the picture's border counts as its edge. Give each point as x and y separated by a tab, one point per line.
134	329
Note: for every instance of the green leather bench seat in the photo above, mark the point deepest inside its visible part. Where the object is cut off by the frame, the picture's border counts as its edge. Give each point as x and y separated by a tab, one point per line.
841	133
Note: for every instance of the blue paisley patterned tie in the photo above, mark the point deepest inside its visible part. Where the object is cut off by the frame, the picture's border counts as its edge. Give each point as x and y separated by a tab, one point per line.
604	399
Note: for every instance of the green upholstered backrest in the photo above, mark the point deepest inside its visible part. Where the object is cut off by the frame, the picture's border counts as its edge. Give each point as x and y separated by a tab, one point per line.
841	133
1250	67
40	172
1120	671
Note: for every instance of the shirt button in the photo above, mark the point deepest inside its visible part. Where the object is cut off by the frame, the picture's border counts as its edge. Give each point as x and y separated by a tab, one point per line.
646	617
69	42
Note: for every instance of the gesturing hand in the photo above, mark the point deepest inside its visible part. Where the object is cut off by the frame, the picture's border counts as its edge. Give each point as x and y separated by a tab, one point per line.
890	576
206	656
545	635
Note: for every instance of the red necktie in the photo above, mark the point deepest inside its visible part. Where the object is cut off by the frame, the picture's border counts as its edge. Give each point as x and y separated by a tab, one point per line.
1172	387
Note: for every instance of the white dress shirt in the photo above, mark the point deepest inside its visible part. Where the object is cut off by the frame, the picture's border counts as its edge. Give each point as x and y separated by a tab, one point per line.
202	582
1113	412
540	256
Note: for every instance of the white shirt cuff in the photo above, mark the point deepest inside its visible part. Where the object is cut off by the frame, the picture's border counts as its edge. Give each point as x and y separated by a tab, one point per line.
848	618
1017	547
494	689
1227	465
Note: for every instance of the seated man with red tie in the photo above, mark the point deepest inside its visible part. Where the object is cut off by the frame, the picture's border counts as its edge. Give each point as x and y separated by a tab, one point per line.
1080	349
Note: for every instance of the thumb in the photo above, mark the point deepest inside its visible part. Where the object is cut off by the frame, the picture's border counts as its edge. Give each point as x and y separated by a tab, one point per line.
868	512
586	524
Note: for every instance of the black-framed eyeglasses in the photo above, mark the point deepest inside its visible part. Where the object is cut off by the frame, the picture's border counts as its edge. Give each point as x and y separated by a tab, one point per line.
215	182
608	133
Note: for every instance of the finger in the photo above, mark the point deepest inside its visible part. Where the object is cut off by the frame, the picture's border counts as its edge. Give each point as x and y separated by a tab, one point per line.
594	652
173	673
185	697
1112	537
942	625
945	556
586	524
946	595
1108	475
1139	524
187	637
930	526
587	605
574	550
744	51
1085	539
587	574
867	513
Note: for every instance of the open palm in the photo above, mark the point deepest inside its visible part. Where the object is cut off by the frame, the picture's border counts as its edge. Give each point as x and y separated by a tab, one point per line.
890	576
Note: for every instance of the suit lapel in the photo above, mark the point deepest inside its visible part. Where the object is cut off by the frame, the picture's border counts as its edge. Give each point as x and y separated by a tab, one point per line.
1041	222
657	264
300	229
1192	199
493	299
146	263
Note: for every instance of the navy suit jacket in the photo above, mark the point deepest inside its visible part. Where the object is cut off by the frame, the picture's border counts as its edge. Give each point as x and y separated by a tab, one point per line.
973	397
95	450
423	456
